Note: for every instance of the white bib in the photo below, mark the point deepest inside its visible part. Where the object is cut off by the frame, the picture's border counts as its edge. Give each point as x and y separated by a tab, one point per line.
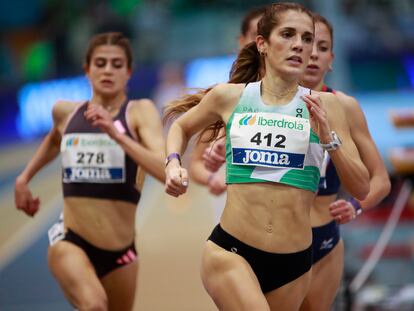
322	181
269	140
56	233
93	158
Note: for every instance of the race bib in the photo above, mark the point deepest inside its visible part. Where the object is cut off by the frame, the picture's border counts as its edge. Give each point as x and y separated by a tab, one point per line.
269	140
325	162
56	233
94	158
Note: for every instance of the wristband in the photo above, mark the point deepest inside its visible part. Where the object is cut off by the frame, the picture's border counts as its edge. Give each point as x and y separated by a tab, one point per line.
171	156
120	128
357	206
210	177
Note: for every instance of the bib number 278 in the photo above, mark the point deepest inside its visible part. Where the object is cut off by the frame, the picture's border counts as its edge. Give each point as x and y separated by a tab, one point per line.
90	157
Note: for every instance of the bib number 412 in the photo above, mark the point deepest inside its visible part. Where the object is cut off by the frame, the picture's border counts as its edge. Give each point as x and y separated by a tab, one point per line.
267	139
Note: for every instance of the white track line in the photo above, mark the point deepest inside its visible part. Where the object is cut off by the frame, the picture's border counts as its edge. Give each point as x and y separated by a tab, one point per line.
27	234
384	238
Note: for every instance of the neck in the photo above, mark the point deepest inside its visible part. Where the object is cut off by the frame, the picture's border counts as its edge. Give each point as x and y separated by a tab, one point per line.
278	91
110	103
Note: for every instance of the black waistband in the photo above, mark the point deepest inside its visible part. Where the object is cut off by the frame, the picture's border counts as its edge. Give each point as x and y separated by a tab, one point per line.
273	270
227	241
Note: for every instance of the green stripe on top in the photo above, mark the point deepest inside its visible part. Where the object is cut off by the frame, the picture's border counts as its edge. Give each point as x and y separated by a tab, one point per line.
313	137
307	179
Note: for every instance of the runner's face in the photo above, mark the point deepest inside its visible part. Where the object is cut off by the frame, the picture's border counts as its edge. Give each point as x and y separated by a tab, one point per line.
108	70
289	45
321	58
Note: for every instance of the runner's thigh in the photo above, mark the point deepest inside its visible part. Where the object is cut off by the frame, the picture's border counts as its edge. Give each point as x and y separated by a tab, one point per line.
76	276
120	286
230	281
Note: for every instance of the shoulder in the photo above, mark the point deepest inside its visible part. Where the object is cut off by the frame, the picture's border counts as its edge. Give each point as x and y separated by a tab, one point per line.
142	104
352	108
62	109
326	96
227	92
226	89
142	111
328	100
349	102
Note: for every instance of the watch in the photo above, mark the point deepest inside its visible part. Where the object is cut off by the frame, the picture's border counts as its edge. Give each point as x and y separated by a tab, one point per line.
171	156
334	144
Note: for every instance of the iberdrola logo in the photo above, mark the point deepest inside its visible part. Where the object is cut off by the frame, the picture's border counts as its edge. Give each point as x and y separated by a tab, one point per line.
73	141
248	120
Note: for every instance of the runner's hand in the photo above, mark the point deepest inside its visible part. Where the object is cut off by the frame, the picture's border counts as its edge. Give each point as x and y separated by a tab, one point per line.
342	211
23	198
215	156
176	179
318	117
100	117
216	183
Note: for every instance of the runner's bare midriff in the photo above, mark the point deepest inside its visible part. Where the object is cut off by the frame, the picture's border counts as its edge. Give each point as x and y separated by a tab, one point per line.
269	216
107	224
320	214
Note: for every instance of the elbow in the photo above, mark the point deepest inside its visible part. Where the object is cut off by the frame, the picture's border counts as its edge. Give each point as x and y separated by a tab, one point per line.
361	192
364	187
360	189
161	178
386	186
160	174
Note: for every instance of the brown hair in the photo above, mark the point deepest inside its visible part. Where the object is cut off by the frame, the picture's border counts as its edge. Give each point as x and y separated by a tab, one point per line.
248	67
271	17
245	69
109	38
317	18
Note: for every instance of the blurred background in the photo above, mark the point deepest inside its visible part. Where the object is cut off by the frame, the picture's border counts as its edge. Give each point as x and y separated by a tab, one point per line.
180	44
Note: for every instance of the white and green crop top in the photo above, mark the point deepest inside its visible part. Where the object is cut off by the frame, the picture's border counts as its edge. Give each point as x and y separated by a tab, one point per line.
272	143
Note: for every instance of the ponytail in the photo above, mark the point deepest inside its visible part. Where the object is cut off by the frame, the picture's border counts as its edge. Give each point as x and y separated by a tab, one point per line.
245	69
183	104
249	65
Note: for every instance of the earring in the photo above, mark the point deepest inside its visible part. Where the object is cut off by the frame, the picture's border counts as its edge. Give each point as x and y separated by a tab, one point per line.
330	68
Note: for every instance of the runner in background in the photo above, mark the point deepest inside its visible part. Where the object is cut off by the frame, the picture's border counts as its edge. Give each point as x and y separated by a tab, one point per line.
327	211
103	143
